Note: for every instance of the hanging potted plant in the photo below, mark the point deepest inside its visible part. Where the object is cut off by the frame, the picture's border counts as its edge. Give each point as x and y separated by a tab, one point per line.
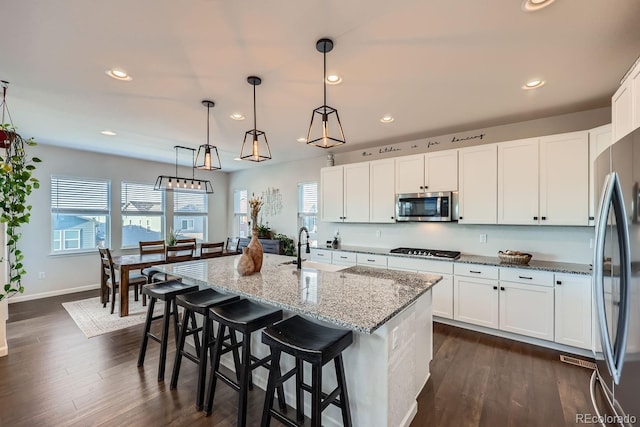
16	184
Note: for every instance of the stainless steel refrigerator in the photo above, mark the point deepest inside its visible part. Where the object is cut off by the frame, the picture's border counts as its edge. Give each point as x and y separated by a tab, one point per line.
615	384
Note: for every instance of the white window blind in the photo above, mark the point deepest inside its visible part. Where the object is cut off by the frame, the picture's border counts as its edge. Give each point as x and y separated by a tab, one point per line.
190	215
190	203
240	202
308	198
80	214
141	199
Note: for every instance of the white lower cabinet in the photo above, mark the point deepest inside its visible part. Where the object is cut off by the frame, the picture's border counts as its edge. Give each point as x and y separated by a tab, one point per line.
573	310
476	301
372	260
321	255
343	258
526	309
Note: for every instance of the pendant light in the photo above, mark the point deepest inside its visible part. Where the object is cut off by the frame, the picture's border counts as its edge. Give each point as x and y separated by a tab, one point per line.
183	183
255	146
325	130
205	159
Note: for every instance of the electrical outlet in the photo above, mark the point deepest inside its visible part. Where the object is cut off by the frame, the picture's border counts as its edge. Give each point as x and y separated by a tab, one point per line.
41	275
483	238
394	338
378	233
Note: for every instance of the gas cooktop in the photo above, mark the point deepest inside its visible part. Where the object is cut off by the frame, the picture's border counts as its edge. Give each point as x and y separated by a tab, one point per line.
427	253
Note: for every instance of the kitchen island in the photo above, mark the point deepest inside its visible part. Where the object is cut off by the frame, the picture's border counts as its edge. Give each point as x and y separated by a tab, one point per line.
389	311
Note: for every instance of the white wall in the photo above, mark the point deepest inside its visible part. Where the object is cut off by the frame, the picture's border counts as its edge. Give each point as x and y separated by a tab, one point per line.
566	244
65	273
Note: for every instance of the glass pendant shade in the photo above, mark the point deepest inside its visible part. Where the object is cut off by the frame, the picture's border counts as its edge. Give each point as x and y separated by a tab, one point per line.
207	158
255	146
325	129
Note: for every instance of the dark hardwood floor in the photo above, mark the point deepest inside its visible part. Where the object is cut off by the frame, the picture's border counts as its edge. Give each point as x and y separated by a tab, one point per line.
54	376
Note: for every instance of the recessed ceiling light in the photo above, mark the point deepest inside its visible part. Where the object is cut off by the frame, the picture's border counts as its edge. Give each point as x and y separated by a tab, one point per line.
301	139
237	116
533	84
387	119
533	5
108	132
118	74
334	79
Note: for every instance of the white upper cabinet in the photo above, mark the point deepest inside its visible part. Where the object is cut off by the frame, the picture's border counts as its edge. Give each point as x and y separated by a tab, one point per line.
478	179
382	191
344	193
431	172
332	194
625	104
518	182
599	140
564	179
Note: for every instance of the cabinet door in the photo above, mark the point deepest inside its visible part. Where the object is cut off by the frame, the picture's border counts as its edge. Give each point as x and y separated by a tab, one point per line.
635	97
356	192
478	179
475	301
573	323
599	140
442	304
382	194
621	111
332	194
518	182
527	310
564	179
410	174
441	171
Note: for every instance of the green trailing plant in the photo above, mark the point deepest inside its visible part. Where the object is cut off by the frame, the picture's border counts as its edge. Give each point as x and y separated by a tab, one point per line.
289	247
264	231
16	184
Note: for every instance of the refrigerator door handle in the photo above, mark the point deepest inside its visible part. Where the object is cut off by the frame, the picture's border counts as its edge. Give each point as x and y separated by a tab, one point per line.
613	352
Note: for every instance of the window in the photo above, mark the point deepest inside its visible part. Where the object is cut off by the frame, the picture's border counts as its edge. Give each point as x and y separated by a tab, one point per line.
80	214
142	210
190	214
240	212
308	207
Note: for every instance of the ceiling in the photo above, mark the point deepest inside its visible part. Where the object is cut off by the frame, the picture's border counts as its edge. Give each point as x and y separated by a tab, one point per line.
437	66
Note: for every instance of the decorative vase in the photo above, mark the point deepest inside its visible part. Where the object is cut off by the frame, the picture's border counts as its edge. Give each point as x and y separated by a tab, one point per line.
245	264
255	250
6	138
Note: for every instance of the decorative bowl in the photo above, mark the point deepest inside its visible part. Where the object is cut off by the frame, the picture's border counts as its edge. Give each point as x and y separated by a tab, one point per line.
514	257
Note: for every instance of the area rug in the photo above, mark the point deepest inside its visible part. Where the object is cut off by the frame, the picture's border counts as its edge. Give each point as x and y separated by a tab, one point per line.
94	320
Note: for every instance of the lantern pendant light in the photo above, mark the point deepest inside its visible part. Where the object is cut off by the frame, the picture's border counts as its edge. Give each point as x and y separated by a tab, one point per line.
205	159
325	130
255	146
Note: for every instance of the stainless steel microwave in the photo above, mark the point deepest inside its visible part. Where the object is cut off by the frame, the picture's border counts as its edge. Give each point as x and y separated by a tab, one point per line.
425	207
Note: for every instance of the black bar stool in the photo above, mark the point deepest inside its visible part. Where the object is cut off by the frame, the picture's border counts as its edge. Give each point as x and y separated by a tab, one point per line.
244	317
167	292
199	302
317	345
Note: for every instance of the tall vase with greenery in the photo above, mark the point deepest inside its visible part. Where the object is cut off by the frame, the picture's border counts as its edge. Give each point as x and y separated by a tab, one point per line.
255	247
16	184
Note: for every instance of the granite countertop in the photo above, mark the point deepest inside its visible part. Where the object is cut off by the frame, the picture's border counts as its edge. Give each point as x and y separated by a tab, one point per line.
557	267
357	298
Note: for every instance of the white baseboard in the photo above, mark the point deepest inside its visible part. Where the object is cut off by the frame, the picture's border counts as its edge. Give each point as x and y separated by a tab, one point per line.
4	350
406	421
529	340
22	298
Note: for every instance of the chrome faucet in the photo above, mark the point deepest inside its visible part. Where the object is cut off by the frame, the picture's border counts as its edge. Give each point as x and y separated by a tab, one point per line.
299	263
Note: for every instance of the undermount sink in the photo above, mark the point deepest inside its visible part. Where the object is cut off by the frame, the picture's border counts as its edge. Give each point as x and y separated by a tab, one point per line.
315	265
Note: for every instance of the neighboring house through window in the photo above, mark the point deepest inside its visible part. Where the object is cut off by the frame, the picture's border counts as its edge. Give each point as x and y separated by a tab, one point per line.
240	213
142	210
190	215
80	214
308	208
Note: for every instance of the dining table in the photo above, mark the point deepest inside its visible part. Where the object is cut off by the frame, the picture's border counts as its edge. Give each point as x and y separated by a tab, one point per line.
127	263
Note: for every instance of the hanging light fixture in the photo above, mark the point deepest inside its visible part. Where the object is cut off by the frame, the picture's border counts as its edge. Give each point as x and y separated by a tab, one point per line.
205	159
183	184
255	146
325	130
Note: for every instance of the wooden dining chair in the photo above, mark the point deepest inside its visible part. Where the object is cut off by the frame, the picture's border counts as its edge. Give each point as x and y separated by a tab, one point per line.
211	250
174	253
111	280
151	247
186	241
232	244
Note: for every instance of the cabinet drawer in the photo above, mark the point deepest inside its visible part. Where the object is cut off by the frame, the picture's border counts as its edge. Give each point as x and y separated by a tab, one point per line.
321	255
520	275
405	263
475	270
372	260
340	257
